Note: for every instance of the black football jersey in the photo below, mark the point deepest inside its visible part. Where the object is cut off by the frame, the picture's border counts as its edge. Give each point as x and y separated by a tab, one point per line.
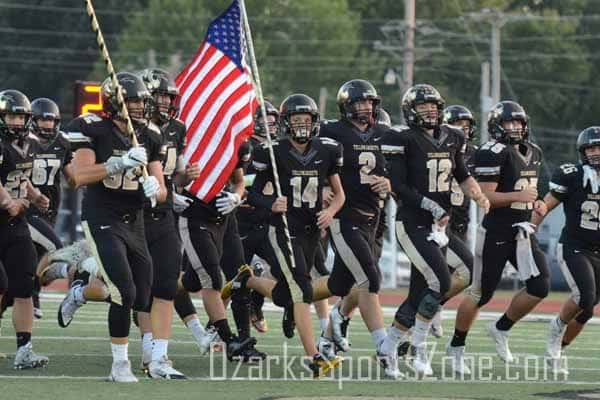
122	193
16	165
460	202
362	159
200	209
173	141
581	206
513	170
422	166
50	159
248	214
302	177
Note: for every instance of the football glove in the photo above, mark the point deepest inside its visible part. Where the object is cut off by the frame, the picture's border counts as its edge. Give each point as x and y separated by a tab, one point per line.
227	202
181	203
151	186
434	208
135	157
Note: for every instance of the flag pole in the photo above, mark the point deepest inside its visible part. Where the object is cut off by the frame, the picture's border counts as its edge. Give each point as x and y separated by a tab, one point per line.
261	100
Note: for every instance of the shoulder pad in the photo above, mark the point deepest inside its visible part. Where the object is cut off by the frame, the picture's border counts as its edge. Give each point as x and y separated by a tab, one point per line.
493	146
328	141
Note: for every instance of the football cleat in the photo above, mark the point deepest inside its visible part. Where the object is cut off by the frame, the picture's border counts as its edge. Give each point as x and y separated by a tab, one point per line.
251	355
389	363
69	305
121	372
288	324
163	369
500	338
238	282
26	358
207	339
421	363
457	359
339	326
436	330
236	347
326	348
258	319
321	366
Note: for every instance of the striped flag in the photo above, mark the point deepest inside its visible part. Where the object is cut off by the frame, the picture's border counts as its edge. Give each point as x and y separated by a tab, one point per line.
217	103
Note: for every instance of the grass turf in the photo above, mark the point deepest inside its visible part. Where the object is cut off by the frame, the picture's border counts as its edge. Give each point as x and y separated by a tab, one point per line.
80	360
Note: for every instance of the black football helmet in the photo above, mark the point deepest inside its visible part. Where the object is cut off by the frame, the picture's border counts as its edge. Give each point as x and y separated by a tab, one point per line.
455	113
354	91
14	102
157	82
259	128
44	108
508	111
587	138
420	94
384	118
133	89
299	104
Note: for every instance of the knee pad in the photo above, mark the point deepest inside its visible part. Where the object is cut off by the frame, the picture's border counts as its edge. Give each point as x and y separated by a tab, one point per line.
429	304
183	304
128	297
338	288
585	300
119	320
585	315
281	295
538	286
405	315
190	281
21	288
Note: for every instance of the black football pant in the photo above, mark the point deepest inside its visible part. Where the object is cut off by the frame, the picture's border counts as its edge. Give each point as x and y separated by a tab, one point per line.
492	252
124	256
581	268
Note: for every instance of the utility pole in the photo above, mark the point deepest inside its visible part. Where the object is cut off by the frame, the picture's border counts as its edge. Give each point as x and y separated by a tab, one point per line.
408	59
495	51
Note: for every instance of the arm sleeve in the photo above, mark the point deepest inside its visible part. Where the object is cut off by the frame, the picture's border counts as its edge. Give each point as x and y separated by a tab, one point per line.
461	172
395	149
262	165
560	183
77	132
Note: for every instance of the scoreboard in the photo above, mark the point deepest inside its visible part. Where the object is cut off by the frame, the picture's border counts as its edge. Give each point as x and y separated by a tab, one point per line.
87	98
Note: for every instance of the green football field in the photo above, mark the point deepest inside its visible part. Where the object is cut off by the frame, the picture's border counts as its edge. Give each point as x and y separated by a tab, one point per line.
80	360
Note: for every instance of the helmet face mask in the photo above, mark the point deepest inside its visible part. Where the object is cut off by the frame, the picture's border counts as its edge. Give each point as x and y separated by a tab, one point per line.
45	118
136	96
358	101
416	115
15	114
588	146
299	118
164	94
272	121
461	118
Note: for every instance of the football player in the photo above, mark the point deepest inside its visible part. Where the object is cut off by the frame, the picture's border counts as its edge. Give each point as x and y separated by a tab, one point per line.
507	169
53	159
578	250
434	151
112	207
304	162
18	255
353	230
161	232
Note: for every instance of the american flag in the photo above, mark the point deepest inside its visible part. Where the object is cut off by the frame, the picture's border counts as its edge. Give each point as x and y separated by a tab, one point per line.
217	103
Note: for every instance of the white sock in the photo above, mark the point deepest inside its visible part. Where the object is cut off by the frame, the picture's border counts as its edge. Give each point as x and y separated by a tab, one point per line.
393	338
159	349
378	336
147	347
562	325
420	331
323	324
119	352
198	331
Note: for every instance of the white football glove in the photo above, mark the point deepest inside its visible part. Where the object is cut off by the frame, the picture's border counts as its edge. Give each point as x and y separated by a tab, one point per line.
438	235
181	203
135	157
151	186
590	176
227	202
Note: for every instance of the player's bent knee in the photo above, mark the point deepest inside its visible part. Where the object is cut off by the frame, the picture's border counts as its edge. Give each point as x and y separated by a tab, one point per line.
165	290
538	287
585	315
430	304
586	300
337	289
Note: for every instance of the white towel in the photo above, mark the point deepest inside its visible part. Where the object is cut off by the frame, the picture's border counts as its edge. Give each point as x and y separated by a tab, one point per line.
438	235
590	175
525	262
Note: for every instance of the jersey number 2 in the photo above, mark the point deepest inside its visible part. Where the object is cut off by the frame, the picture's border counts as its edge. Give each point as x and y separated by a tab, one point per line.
439	170
126	180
